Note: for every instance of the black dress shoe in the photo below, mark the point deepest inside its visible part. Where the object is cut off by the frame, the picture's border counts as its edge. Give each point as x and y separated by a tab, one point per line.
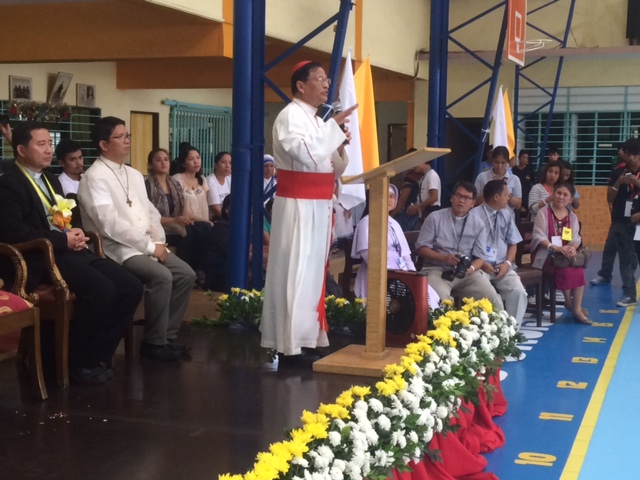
173	344
305	359
159	352
88	376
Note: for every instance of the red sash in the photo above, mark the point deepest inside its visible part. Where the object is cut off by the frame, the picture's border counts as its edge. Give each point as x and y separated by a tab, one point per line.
305	185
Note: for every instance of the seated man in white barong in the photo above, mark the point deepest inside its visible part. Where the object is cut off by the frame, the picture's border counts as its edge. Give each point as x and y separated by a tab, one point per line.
398	251
309	155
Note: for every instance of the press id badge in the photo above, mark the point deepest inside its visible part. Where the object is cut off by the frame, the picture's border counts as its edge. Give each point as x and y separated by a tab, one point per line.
567	234
556	240
492	255
401	264
627	208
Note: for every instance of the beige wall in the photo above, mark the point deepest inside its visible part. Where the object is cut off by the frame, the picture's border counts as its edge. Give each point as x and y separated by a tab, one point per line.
211	9
291	20
393	32
114	102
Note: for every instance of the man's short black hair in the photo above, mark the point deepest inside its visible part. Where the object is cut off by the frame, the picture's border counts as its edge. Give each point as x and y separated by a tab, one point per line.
302	75
103	129
493	188
552	150
523	152
632	146
21	135
468	186
65	147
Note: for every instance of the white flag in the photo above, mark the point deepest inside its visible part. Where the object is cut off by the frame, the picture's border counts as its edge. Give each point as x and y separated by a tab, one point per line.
351	195
502	134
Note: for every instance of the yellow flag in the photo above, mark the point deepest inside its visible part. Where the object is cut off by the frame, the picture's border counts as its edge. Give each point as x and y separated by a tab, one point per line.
367	116
511	136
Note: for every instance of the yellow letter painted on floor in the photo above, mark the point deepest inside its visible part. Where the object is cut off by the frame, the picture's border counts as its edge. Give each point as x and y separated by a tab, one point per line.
532	458
602	324
563	417
570	384
594	340
592	361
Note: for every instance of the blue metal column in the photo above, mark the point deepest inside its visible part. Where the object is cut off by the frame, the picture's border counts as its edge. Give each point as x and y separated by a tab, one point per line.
436	115
338	46
486	122
257	135
241	147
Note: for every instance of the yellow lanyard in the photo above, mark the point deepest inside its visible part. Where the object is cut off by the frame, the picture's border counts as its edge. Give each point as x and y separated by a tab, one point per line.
39	191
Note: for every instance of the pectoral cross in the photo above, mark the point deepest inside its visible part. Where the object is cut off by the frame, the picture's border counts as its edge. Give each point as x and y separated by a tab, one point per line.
129	202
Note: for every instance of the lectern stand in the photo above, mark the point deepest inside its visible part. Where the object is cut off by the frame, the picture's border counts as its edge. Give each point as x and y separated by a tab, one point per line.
370	359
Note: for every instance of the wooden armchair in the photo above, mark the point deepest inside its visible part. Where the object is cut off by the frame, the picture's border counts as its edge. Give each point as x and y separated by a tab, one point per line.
16	313
55	301
350	269
529	275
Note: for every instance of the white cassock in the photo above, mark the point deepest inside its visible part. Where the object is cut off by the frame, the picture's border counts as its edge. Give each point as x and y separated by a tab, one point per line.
307	161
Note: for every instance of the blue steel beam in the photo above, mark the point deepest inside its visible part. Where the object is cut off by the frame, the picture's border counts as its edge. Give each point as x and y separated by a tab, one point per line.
238	263
551	93
436	65
257	136
437	70
249	79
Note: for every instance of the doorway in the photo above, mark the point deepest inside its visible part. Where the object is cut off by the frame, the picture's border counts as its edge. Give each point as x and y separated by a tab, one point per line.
144	138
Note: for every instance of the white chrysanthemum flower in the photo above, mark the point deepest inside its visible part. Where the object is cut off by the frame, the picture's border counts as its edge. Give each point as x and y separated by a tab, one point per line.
376	405
384	423
360	406
442	412
300	461
398	438
335	438
381	458
413	436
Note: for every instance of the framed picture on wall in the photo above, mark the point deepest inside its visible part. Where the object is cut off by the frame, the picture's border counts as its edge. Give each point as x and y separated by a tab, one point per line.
85	95
60	87
20	88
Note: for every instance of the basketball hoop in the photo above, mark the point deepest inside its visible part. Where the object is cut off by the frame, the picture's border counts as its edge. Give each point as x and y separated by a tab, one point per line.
531	45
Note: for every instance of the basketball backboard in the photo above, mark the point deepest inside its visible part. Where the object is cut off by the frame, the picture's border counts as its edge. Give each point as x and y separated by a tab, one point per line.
516	31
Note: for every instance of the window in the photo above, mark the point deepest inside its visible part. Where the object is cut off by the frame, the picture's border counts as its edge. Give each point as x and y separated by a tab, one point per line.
205	127
588	125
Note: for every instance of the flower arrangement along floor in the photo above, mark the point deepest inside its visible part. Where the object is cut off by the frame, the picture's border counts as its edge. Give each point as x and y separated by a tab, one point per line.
408	418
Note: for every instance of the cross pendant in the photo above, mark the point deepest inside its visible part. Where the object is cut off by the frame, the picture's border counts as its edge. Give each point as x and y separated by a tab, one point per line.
129	202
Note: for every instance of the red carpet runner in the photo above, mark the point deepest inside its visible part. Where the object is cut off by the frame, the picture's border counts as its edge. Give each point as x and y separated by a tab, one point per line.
460	451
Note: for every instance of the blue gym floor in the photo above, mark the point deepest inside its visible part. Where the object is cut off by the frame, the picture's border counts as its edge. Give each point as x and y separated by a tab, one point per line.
571	398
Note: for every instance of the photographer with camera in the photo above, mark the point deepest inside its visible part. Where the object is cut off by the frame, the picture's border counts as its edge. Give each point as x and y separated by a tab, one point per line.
502	241
453	246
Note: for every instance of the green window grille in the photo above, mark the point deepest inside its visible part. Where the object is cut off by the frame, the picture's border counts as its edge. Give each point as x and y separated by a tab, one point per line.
588	126
205	127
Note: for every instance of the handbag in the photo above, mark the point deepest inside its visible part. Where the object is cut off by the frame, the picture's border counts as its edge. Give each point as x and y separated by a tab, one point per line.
581	260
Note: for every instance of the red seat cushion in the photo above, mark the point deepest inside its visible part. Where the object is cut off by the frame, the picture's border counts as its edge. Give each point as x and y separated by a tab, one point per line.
10	303
47	294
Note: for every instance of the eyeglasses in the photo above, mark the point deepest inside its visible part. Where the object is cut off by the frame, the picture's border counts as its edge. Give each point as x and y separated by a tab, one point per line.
123	137
463	197
324	80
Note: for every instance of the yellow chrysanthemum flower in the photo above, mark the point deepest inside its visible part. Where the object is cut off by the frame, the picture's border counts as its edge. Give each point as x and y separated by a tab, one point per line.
486	305
409	364
447	302
361	392
360	301
235	290
393	369
387	387
317	430
333	410
301	437
223	298
228	476
345	398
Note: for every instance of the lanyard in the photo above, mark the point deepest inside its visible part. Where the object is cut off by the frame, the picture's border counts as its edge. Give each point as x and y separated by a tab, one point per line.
43	196
464	224
494	230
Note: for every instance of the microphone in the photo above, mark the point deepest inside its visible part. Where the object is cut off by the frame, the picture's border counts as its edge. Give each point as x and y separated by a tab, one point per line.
336	107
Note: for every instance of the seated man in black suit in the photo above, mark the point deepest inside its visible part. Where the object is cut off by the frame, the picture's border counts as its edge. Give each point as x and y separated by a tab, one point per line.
106	294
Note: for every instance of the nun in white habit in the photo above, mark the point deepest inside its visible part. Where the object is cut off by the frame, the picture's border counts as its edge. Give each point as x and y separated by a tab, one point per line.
398	251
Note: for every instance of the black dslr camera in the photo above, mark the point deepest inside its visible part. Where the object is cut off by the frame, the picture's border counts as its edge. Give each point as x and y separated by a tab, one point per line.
460	270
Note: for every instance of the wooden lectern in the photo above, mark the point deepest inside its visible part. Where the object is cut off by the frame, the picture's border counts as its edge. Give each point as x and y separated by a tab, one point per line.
370	359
